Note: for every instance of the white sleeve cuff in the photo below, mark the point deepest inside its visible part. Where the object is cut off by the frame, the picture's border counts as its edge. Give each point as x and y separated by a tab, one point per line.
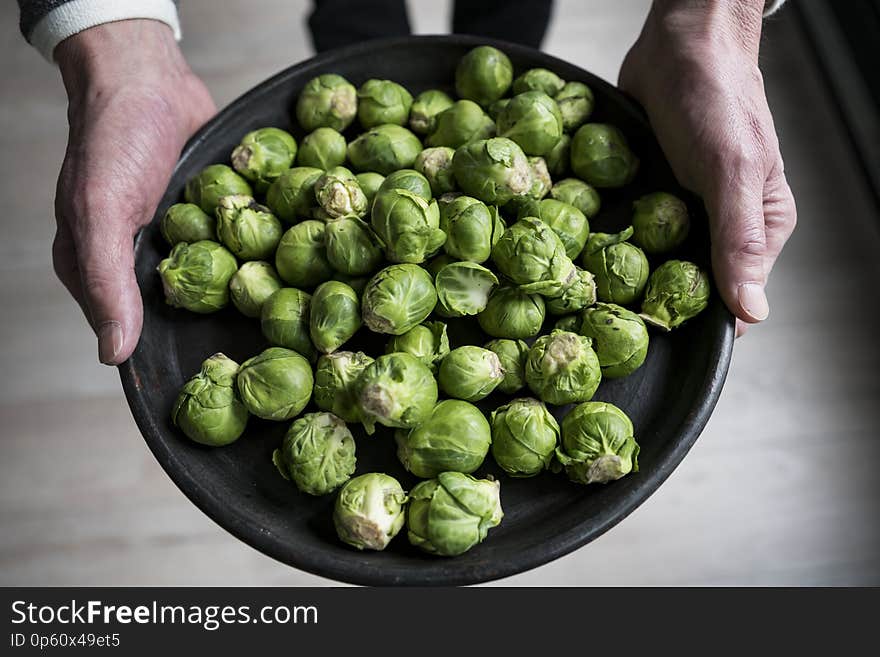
78	15
771	6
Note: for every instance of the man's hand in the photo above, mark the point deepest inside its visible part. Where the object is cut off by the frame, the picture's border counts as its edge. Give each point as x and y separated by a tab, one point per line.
695	71
133	104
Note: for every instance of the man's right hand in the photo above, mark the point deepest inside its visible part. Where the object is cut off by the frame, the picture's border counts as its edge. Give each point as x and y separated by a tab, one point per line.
133	103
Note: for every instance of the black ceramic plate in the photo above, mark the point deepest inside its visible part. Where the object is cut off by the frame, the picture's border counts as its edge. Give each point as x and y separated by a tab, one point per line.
669	399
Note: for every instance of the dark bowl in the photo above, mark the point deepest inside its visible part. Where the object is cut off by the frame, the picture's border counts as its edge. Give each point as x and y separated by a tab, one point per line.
669	399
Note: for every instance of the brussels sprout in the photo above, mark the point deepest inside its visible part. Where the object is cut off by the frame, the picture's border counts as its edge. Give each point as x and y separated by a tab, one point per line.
620	268
620	338
577	296
336	377
185	222
356	283
512	313
558	157
569	223
323	148
251	285
579	194
334	316
276	384
451	514
576	102
437	263
455	438
562	368
340	195
425	108
327	101
247	228
531	254
533	121
370	183
470	373
495	108
436	165
512	354
597	444
284	320
428	342
263	155
677	291
463	288
212	183
384	149
196	276
570	323
396	390
524	437
462	123
483	75
369	511
292	195
492	170
601	157
351	247
660	222
301	258
398	298
208	409
541	182
538	79
317	453
383	101
407	224
472	228
410	180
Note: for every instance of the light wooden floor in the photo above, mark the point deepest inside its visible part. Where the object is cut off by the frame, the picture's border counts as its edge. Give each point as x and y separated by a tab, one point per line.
782	488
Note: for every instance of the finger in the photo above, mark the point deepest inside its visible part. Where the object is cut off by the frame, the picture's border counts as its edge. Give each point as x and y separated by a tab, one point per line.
780	216
741	328
65	265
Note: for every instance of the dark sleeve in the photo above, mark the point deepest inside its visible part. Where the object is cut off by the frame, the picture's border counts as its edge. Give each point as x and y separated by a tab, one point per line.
32	11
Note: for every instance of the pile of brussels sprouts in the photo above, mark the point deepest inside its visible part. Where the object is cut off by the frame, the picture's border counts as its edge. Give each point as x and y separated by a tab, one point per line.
476	208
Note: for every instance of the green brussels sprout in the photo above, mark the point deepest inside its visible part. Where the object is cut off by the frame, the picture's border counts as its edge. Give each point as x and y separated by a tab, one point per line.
263	155
577	296
461	124
541	182
396	390
384	149
570	323
562	368
398	298
512	354
558	157
323	148
437	263
428	342
340	195
351	247
538	79
327	101
660	222
620	338
512	313
425	108
470	373
336	378
212	183
208	409
492	170
196	276
251	285
292	196
301	258
407	225
569	223
284	320
533	121
677	291
276	384
620	268
601	157
356	283
334	316
524	437
495	108
483	75
447	198
185	222
463	288
449	515
454	438
317	453
383	101
576	103
435	164
410	180
531	255
369	511
472	228
597	444
370	183
579	194
249	230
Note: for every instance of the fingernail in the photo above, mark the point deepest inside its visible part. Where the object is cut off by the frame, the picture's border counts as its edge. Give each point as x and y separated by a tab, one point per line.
753	300
109	342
